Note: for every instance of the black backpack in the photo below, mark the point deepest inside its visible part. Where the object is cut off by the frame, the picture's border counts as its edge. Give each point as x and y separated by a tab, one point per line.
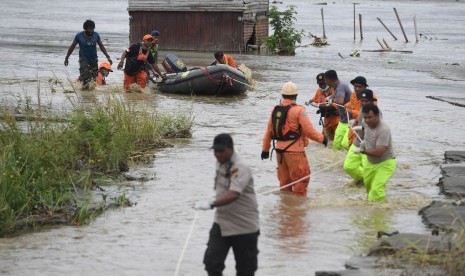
280	128
280	124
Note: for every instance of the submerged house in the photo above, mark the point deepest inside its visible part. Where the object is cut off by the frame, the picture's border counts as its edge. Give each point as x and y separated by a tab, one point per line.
200	25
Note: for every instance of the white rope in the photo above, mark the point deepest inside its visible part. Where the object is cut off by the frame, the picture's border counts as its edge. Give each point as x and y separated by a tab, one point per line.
178	266
305	177
347	112
228	77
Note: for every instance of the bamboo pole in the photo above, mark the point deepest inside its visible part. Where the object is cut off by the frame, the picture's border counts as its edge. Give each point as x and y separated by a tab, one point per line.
354	21
323	20
386	44
400	23
379	19
360	24
380	44
415	25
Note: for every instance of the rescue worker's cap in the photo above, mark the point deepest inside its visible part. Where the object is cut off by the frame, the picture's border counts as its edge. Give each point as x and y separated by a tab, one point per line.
147	37
106	65
367	94
289	89
320	78
222	141
359	80
155	33
219	55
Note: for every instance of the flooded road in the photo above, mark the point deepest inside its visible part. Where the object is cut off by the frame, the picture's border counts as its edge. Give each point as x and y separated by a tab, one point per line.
298	236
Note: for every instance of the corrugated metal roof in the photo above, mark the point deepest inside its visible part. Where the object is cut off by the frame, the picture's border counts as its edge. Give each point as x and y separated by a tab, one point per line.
193	5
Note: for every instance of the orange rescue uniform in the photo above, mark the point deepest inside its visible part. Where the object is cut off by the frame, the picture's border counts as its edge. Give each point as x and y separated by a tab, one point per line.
100	79
140	78
355	105
228	60
293	163
332	120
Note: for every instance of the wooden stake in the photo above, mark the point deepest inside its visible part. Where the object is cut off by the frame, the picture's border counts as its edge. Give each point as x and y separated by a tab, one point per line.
323	20
379	19
415	25
387	46
400	23
379	42
360	23
354	21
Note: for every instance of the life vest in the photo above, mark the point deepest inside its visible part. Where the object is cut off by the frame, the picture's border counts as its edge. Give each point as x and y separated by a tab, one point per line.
135	64
141	56
280	124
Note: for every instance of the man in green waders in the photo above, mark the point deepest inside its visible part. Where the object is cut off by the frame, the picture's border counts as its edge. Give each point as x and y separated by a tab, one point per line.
340	97
377	145
354	162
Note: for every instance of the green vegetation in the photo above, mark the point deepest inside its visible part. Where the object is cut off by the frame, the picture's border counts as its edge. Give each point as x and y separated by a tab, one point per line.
449	262
285	36
49	164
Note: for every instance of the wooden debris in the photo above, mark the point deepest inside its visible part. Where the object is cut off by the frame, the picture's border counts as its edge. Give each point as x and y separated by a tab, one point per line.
389	50
318	41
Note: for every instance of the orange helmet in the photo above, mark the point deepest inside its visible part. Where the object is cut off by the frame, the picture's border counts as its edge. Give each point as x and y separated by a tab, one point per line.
106	65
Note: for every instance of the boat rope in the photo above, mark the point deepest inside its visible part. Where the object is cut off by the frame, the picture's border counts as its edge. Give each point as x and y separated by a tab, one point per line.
239	81
220	88
178	266
347	113
305	177
207	74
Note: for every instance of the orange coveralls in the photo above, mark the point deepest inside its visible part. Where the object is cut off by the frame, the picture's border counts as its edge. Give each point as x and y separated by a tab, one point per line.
331	121
293	163
100	79
355	105
228	60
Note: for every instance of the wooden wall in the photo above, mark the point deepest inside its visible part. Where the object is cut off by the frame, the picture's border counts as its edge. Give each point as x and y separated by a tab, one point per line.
200	25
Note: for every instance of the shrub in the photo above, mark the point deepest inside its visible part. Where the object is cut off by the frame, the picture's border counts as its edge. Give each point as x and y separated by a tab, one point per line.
285	36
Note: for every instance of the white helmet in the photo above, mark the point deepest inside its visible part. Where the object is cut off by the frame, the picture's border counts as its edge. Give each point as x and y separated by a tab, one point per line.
289	89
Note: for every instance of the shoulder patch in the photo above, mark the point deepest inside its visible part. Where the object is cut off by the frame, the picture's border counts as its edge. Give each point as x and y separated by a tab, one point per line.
234	172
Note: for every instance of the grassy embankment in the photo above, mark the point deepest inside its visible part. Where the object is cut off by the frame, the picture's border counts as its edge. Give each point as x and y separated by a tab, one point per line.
434	260
49	164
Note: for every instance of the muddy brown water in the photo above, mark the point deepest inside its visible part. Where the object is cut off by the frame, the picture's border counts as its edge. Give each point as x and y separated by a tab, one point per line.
298	236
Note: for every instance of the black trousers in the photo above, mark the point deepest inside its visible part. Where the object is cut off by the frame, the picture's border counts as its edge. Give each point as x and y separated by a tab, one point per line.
88	72
244	248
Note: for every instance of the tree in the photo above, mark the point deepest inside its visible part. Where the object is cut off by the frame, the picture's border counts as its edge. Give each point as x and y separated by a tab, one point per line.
285	36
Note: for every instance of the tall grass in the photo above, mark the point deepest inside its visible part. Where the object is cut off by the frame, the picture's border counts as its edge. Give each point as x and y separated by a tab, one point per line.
450	261
46	162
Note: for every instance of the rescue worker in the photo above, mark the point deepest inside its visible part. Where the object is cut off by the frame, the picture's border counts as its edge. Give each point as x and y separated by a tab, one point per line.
377	145
340	97
154	48
353	163
136	56
88	41
329	117
290	154
353	106
221	58
236	222
103	71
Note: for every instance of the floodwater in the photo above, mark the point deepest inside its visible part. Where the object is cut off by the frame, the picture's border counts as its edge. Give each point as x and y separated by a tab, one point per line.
298	236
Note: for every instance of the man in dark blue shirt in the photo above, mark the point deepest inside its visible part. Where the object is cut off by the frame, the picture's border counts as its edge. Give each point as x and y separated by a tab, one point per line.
87	40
